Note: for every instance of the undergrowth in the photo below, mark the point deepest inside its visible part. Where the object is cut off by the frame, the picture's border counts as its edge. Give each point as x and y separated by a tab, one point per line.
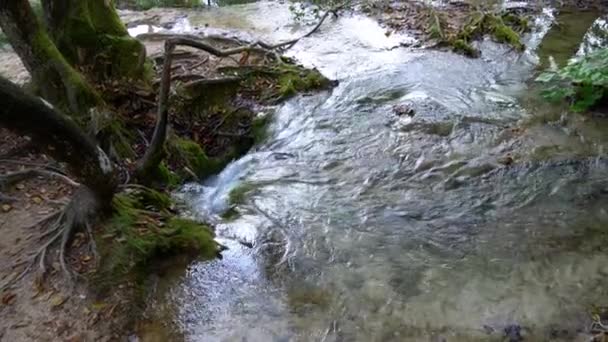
582	82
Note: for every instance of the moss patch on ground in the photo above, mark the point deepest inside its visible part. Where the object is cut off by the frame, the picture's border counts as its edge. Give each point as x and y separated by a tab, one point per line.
143	227
225	124
504	28
276	83
455	25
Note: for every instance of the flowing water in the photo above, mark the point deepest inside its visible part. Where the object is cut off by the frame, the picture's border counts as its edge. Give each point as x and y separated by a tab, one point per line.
367	226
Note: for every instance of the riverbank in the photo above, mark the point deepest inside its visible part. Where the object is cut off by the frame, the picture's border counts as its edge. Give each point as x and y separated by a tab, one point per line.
219	110
366	225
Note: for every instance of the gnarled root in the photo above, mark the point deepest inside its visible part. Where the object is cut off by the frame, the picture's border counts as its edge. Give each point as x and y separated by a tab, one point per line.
18	176
78	215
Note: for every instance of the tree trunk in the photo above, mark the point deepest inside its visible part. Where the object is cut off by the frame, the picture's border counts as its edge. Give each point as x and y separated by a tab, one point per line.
90	35
60	137
55	79
148	165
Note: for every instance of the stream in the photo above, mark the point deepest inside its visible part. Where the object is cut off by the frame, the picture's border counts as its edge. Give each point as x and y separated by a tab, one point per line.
368	226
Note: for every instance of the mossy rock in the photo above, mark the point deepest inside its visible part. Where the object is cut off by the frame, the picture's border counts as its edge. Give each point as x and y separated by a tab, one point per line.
286	80
503	28
465	48
239	193
502	33
209	93
167	177
190	154
259	128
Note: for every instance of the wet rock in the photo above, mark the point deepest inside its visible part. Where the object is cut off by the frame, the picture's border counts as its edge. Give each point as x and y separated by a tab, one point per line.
506	160
404	109
513	333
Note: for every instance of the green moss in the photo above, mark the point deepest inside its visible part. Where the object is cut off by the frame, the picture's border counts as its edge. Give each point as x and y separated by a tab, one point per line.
3	39
126	56
190	154
462	47
141	230
294	79
92	35
61	84
231	214
519	23
112	133
259	128
435	26
167	177
503	29
288	79
239	194
504	34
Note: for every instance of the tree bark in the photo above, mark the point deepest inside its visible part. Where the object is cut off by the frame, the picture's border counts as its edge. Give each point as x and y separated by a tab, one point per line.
55	79
60	137
90	35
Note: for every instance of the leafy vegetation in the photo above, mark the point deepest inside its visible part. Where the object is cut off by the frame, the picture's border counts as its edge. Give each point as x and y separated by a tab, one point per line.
582	82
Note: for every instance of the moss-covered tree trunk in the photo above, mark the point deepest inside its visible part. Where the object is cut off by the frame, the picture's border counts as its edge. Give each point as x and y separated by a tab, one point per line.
55	79
91	36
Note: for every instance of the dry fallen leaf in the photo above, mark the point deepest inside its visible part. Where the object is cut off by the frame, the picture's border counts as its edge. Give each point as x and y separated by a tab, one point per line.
6	208
8	298
37	199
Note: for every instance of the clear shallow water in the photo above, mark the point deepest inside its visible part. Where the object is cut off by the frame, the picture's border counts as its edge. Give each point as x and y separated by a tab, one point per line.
370	227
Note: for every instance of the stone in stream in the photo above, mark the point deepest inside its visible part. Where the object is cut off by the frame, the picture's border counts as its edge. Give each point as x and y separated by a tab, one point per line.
404	109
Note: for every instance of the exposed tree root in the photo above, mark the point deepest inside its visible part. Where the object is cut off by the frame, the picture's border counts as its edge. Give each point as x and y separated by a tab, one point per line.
18	176
76	216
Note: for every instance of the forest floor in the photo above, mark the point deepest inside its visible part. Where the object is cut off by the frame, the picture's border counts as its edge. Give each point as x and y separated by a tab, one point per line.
34	310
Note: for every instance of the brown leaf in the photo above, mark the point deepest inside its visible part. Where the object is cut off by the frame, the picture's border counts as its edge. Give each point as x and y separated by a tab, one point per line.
6	208
8	298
